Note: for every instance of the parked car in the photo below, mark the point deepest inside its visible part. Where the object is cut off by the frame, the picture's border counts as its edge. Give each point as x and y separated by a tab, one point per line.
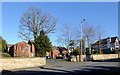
48	57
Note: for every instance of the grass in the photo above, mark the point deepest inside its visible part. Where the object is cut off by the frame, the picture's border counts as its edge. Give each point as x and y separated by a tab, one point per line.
65	60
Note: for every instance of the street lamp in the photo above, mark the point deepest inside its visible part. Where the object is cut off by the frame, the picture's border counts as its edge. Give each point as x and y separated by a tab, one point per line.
81	39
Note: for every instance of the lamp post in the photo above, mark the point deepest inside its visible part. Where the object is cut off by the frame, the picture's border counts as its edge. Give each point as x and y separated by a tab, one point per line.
81	39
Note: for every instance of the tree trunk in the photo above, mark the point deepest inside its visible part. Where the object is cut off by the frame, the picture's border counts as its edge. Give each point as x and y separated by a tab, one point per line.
35	36
89	45
100	44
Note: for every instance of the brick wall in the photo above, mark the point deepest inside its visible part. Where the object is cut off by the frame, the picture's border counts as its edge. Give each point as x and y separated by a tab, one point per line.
15	63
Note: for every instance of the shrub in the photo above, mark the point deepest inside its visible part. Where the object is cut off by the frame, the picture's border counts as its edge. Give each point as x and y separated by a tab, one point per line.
6	55
95	52
75	52
65	60
107	51
116	52
3	45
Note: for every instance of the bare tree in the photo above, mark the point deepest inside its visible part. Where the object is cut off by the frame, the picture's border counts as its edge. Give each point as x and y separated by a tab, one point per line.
99	33
89	34
33	21
78	38
65	35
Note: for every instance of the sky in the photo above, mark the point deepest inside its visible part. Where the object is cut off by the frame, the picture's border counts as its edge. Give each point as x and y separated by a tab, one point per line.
96	13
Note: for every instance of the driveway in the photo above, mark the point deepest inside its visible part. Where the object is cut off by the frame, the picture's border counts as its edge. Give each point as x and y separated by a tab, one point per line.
58	67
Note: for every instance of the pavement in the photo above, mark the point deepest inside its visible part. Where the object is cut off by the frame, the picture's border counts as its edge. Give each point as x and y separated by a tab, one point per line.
58	67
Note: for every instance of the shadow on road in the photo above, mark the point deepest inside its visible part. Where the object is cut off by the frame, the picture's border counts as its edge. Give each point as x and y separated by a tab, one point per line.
85	71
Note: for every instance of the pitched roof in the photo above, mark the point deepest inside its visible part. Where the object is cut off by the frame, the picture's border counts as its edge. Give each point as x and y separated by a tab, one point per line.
61	48
21	42
113	39
104	41
54	47
31	41
9	45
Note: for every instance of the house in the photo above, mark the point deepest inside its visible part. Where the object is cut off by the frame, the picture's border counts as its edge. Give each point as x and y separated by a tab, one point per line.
31	43
54	53
8	46
22	49
119	45
57	52
51	54
63	51
111	43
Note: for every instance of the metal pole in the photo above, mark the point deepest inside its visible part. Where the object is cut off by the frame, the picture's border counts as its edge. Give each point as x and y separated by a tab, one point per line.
81	42
85	54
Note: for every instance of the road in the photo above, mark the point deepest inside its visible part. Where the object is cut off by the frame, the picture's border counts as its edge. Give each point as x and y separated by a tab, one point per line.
58	67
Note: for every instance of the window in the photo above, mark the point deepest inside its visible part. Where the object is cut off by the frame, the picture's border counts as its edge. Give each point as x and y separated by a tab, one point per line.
101	45
117	44
26	48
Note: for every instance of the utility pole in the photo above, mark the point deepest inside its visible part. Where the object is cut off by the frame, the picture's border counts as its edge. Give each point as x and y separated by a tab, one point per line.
81	40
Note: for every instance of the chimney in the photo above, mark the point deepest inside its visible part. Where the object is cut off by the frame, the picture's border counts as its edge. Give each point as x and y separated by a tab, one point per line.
110	40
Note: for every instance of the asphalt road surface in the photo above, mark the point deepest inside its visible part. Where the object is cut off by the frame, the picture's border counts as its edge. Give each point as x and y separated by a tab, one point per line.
58	67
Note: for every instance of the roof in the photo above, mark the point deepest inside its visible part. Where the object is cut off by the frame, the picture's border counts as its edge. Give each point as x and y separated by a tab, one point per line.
61	48
31	41
113	39
21	42
104	41
9	45
54	47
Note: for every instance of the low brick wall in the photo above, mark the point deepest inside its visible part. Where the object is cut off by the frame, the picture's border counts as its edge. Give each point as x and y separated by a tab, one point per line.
99	56
15	63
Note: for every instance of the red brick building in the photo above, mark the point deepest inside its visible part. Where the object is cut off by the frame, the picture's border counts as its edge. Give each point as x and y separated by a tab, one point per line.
57	52
63	51
22	49
54	53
